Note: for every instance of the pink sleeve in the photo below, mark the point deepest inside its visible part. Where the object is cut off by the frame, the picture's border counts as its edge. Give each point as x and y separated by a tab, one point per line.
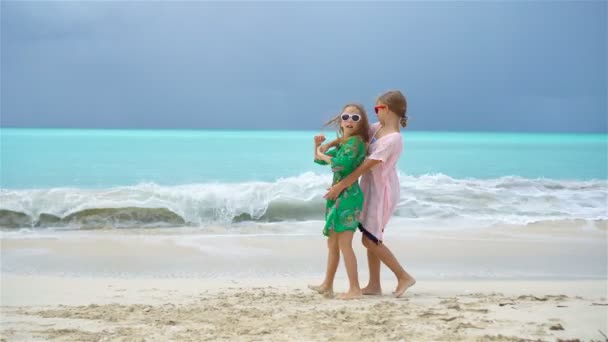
385	148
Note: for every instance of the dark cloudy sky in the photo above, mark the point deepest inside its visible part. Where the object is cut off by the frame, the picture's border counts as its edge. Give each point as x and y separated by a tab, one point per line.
465	66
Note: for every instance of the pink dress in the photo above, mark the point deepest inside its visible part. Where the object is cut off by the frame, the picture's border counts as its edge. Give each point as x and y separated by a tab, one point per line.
381	184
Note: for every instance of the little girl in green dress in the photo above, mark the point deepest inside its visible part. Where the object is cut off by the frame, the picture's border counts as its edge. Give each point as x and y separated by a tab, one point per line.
342	215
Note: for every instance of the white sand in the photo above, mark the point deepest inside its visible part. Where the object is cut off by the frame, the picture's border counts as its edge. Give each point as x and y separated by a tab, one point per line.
105	309
513	252
164	286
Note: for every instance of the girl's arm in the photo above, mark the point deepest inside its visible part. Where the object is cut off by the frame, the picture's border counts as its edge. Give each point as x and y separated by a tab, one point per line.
321	157
381	153
329	145
335	190
318	141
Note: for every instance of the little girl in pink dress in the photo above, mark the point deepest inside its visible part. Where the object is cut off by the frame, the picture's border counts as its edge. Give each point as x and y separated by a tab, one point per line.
380	186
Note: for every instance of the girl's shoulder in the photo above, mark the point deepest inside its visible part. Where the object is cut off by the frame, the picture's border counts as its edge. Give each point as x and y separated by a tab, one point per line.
373	128
394	140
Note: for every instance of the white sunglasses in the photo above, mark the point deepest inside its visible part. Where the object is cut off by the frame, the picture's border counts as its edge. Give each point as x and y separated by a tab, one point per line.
354	117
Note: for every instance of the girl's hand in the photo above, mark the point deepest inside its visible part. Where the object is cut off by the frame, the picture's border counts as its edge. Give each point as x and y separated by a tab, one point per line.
321	155
334	192
319	139
324	148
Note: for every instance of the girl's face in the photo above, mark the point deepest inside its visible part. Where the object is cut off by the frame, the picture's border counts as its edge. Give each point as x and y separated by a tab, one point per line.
381	110
351	120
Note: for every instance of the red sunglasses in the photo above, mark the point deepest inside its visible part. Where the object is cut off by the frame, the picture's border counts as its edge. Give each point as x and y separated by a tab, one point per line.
378	108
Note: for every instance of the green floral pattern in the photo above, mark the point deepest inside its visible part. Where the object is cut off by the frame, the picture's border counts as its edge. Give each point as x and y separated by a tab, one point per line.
343	213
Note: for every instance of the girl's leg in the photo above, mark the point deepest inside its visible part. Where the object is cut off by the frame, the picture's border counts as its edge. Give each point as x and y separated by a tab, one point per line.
333	259
345	241
373	286
404	279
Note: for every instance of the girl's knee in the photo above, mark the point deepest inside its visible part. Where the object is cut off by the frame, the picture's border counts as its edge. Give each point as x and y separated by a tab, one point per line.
369	244
345	239
365	241
346	249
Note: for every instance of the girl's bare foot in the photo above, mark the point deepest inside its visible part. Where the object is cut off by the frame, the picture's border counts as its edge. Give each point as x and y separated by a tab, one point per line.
323	289
402	285
371	291
318	288
329	294
351	294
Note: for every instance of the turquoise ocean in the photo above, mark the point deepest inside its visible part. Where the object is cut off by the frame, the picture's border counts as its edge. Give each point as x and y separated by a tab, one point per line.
80	178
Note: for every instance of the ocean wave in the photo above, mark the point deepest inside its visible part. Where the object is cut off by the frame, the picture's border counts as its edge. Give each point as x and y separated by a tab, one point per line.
433	197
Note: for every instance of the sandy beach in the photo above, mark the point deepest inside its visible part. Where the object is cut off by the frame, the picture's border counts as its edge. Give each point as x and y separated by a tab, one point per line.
77	309
507	284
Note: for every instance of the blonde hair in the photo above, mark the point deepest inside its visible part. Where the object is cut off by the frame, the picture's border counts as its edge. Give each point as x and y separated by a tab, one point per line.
396	103
362	132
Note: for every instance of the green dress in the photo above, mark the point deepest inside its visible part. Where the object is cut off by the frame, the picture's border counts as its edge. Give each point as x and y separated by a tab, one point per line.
343	213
